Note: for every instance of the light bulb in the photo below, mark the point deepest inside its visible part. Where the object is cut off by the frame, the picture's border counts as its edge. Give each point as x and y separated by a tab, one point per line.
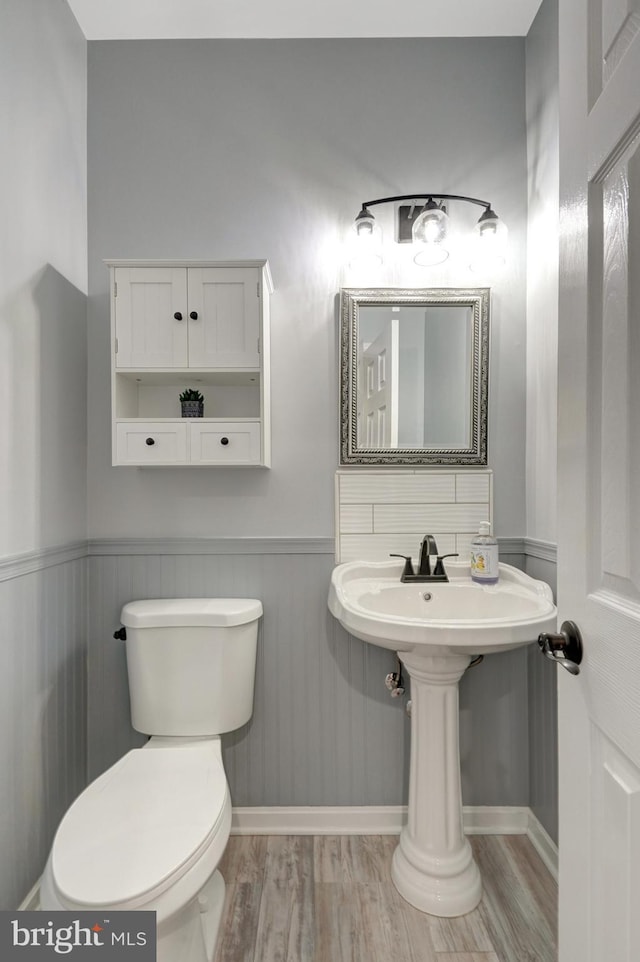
431	225
490	242
366	241
429	231
364	223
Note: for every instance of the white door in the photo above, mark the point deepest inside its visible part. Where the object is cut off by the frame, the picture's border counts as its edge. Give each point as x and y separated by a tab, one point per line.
224	317
599	479
151	317
378	411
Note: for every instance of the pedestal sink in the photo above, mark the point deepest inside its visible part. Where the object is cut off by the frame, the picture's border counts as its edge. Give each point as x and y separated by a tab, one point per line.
437	629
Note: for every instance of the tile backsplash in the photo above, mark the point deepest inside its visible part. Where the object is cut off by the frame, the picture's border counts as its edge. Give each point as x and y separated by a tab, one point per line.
390	510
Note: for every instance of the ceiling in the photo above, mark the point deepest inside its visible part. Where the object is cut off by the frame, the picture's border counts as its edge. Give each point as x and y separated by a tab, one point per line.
139	19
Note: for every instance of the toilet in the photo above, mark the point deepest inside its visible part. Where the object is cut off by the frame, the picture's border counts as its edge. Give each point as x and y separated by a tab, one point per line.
148	833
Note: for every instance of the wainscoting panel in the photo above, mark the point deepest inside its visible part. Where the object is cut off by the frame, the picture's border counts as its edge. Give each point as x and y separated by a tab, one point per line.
543	708
325	730
42	708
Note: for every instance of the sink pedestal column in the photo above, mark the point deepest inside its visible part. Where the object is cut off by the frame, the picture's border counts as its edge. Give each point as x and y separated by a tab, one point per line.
433	866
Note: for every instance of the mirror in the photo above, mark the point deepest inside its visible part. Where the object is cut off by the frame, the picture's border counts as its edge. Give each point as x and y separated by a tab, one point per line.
414	376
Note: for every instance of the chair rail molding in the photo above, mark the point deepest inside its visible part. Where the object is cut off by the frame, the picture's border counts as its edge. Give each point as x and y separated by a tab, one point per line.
102	547
15	566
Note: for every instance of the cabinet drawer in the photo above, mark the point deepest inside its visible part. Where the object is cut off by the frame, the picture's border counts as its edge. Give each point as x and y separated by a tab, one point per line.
221	442
151	443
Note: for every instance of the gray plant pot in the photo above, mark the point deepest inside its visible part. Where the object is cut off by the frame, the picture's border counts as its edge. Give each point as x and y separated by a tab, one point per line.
192	409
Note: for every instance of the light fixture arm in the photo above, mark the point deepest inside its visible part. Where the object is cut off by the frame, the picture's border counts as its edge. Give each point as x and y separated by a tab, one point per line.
399	197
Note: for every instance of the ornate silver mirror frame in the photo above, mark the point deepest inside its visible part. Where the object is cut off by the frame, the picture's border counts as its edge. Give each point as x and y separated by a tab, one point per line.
472	449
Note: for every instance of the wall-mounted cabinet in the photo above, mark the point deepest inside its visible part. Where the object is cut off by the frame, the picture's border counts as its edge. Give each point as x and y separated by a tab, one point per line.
193	325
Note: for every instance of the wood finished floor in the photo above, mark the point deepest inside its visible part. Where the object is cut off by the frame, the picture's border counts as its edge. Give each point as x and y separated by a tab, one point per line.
331	899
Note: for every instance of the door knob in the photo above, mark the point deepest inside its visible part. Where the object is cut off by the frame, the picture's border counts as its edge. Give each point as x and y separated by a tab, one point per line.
565	647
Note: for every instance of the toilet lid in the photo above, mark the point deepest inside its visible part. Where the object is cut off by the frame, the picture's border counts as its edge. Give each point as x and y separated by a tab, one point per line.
140	825
187	612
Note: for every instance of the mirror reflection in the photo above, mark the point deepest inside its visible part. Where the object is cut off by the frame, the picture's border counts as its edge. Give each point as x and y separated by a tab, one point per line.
414	376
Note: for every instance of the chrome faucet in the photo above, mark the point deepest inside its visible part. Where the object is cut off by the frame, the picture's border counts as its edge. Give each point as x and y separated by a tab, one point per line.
425	572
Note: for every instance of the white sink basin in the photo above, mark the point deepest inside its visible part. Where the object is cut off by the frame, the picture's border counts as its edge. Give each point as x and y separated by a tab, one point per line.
437	628
369	600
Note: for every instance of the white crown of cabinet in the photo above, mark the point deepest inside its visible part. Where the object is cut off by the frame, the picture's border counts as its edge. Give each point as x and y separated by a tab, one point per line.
203	326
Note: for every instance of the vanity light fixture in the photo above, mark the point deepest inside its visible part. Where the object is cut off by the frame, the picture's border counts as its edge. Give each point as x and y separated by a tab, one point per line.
425	223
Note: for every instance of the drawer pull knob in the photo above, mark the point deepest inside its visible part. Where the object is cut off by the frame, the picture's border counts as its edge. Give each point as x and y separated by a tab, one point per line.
224	440
178	316
194	315
150	441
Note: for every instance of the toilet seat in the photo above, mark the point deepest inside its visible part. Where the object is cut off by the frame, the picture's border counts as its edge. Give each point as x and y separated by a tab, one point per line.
139	827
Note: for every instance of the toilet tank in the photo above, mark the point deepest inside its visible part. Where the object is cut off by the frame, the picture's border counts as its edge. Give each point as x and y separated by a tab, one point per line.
191	663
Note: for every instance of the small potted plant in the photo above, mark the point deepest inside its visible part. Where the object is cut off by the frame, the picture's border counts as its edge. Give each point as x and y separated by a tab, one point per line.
192	403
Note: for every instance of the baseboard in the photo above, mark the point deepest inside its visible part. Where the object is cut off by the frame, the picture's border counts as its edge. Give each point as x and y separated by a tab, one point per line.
368	820
319	820
389	820
495	820
543	844
31	903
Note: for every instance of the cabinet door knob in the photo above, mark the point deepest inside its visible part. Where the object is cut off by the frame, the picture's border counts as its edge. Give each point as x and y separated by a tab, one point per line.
150	441
224	440
193	315
178	316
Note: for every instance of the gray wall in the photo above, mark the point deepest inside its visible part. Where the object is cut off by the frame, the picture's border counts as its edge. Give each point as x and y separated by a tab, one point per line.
43	740
43	254
542	358
43	590
542	271
266	148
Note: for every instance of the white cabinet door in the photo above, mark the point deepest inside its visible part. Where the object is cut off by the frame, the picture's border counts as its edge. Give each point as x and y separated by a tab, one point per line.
151	317
224	317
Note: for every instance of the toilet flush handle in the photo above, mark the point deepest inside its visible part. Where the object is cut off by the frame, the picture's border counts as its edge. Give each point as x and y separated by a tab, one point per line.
120	634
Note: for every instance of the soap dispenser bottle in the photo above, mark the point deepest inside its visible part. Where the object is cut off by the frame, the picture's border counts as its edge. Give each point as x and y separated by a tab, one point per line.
484	556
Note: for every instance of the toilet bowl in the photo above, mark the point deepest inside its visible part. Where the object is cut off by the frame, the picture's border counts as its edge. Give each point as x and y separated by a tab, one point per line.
148	833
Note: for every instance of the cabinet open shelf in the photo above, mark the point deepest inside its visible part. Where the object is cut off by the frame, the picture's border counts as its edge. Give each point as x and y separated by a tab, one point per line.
156	394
